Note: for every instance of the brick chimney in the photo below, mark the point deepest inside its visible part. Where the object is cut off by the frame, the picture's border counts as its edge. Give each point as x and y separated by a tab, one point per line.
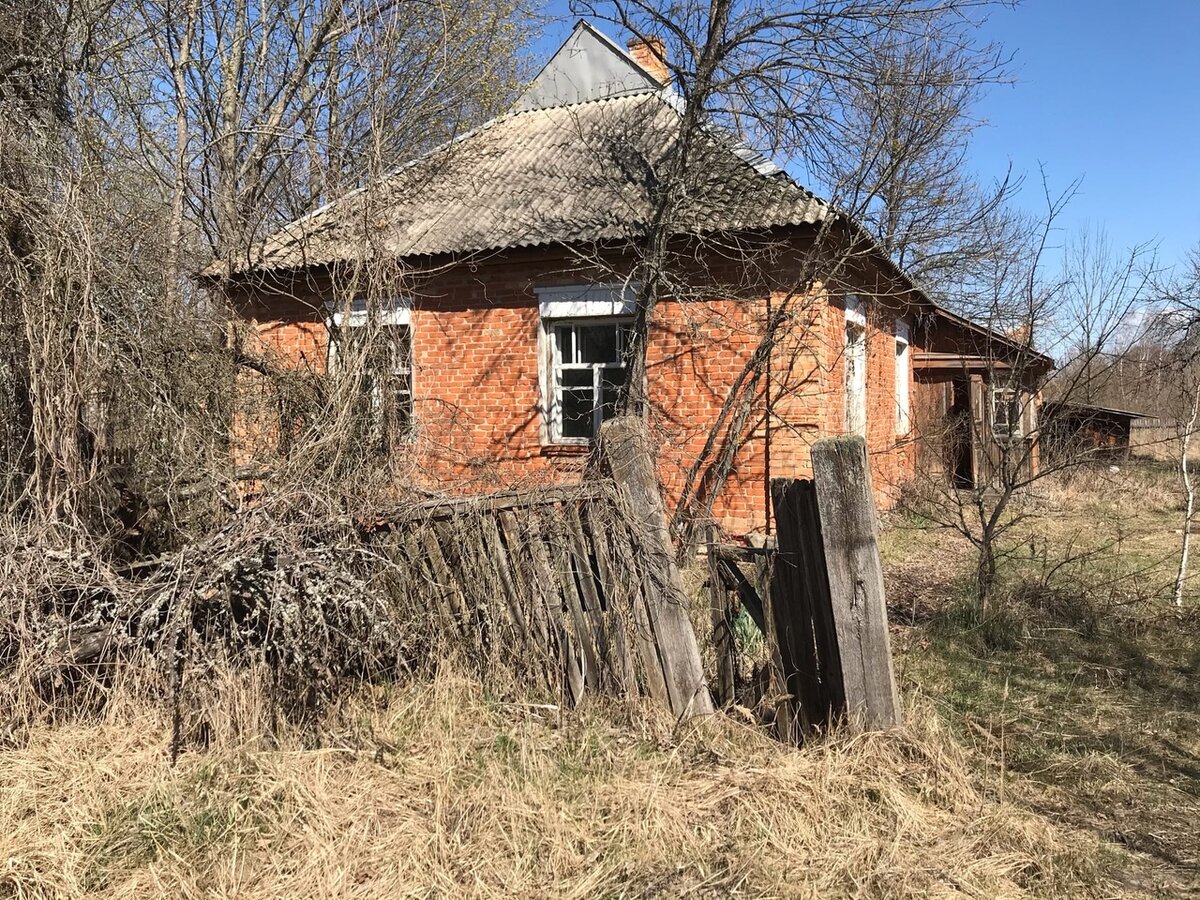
651	55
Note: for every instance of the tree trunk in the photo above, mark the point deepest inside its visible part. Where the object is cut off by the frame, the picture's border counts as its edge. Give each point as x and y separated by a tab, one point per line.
985	572
1189	487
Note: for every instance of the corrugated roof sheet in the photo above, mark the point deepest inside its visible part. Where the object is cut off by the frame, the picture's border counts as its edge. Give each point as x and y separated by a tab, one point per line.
569	174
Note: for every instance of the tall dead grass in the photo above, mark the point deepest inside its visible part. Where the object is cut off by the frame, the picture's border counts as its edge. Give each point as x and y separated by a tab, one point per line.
1132	486
437	789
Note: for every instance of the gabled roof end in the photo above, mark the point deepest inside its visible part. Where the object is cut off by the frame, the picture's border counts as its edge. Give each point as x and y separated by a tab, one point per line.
588	66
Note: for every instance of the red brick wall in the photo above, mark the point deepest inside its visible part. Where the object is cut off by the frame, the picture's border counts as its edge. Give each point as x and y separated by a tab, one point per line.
477	390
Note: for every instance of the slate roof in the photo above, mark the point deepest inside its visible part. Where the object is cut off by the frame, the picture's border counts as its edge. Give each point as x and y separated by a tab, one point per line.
550	173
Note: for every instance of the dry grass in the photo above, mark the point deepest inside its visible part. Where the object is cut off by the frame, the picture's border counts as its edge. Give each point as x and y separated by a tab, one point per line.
1132	488
436	790
1080	690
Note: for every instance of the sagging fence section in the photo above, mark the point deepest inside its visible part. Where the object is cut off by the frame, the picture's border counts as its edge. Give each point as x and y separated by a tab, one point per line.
574	587
578	588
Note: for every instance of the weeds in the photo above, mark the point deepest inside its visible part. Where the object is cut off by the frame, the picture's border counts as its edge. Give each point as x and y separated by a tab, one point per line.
480	800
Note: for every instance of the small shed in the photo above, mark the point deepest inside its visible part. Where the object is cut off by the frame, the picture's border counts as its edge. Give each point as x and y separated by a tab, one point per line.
1070	429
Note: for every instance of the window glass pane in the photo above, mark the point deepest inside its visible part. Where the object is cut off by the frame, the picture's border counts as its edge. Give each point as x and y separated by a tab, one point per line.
397	341
565	336
612	379
403	403
577	407
577	378
1007	412
598	343
625	333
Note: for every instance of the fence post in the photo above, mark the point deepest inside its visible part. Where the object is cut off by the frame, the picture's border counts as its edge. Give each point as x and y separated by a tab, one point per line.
849	529
624	447
722	623
805	648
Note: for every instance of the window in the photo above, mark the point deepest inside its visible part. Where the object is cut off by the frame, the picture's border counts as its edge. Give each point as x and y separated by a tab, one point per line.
856	367
588	374
583	336
380	354
903	409
1006	412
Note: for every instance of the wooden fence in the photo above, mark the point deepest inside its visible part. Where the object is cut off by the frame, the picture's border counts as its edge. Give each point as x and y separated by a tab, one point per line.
818	598
578	587
571	584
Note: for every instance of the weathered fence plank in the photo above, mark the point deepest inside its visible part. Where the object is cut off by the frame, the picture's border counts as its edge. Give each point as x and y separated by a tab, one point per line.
574	586
724	645
827	618
794	594
848	526
624	447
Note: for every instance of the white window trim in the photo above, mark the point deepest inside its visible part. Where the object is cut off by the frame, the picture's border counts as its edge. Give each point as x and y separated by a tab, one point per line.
394	311
391	312
587	301
903	377
856	311
856	319
559	305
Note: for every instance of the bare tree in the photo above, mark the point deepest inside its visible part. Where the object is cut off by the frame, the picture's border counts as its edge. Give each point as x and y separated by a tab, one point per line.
135	133
871	101
1082	315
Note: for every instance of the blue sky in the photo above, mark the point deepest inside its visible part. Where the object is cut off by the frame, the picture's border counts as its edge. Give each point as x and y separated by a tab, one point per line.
1108	91
1105	90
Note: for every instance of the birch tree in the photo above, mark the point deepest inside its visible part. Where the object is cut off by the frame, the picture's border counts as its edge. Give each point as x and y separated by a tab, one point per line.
1178	323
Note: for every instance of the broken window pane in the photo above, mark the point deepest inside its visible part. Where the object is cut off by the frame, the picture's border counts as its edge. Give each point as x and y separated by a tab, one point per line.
612	379
1006	412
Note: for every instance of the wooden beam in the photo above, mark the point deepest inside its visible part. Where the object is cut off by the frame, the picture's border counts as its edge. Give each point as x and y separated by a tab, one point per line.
849	528
624	446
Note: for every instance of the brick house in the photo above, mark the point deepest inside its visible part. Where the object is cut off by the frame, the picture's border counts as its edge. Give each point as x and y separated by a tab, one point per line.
506	302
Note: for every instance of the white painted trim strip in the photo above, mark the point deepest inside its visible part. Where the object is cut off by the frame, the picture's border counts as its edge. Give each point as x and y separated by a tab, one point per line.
397	311
586	301
856	311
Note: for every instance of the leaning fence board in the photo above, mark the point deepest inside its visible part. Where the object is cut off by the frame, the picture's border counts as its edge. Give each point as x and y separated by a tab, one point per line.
625	556
725	687
842	477
566	576
624	446
446	580
616	598
519	557
575	587
794	593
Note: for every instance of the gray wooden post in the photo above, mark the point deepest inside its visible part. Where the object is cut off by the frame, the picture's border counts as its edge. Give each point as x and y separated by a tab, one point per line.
722	625
849	529
624	446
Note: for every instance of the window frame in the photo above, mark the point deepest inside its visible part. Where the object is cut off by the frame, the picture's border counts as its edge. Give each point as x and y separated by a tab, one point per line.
903	387
855	348
1016	429
394	312
557	365
572	303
